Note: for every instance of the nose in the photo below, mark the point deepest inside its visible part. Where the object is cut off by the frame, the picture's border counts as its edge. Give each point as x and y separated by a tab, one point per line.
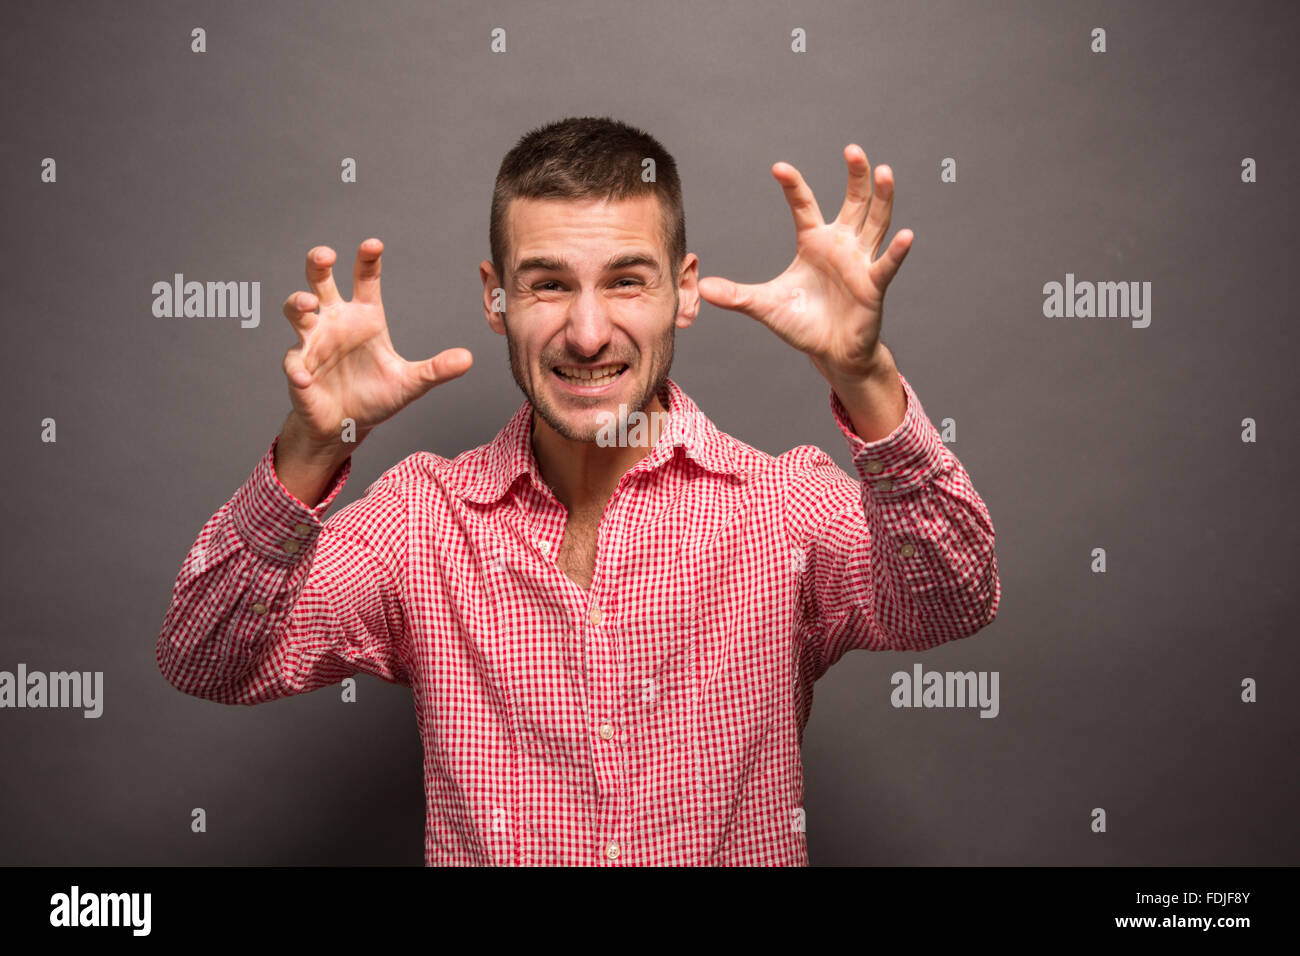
588	327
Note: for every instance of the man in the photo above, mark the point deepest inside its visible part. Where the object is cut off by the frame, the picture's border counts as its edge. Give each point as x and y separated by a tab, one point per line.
611	638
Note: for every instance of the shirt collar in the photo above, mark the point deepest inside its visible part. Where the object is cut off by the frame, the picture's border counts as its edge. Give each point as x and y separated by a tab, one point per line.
489	471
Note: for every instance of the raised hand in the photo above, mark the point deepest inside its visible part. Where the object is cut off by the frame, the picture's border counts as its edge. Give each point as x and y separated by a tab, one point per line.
829	302
344	364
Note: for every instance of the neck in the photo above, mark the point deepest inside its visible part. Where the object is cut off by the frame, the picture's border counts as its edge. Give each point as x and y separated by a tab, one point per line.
583	475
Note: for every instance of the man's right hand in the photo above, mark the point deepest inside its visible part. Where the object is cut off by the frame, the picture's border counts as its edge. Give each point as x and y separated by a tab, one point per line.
344	366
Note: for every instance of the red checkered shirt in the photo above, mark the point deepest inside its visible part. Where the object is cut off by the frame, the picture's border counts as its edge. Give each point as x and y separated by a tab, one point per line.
654	719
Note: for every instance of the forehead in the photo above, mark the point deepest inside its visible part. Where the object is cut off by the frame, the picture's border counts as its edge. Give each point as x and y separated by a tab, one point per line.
576	226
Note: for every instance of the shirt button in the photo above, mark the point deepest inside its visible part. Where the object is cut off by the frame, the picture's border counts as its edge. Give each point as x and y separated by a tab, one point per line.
884	484
612	851
259	608
606	732
595	615
301	527
290	546
875	467
907	550
544	546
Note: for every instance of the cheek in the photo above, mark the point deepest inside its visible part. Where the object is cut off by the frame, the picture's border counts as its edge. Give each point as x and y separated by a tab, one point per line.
522	332
643	316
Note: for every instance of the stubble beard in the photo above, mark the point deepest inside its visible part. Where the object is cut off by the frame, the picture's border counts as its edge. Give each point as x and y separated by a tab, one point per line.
663	352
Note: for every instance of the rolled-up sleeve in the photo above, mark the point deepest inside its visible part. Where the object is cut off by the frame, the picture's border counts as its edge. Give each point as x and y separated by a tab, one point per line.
900	558
272	601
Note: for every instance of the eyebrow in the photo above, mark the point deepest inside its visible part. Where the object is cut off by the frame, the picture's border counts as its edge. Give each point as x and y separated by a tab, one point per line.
551	264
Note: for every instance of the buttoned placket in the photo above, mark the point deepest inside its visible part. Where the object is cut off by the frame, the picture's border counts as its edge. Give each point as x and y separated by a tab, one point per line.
603	666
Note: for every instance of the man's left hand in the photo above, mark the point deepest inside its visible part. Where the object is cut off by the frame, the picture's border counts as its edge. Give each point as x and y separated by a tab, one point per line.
828	303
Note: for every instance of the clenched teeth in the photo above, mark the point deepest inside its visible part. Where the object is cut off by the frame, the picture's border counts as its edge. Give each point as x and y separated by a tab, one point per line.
589	376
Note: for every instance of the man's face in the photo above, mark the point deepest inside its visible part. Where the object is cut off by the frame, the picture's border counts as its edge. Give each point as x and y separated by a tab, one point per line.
589	292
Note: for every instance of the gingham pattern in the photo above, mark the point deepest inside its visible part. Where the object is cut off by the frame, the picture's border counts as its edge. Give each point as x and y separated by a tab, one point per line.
657	718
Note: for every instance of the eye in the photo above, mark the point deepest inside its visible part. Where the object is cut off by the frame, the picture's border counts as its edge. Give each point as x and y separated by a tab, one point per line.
628	279
544	285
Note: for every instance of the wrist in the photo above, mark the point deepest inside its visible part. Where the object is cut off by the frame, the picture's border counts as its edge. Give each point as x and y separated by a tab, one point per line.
875	400
301	446
880	371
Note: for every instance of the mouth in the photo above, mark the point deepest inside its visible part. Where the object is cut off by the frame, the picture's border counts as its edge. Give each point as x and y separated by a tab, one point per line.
589	381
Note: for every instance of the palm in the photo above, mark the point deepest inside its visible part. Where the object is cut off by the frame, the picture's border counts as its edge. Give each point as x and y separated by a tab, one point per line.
825	303
828	303
360	376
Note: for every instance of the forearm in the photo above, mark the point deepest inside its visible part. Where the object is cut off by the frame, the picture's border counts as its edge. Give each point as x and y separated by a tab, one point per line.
270	602
306	467
875	402
902	556
236	590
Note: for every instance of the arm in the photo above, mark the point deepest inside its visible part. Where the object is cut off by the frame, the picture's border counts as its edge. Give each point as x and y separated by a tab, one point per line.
272	602
900	557
903	556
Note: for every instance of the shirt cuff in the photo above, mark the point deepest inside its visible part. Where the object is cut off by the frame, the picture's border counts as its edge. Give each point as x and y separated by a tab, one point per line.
903	460
270	520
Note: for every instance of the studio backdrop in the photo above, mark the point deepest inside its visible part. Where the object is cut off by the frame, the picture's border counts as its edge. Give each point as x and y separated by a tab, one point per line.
1094	311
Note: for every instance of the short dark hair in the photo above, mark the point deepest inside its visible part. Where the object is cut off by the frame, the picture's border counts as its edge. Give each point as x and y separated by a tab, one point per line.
588	157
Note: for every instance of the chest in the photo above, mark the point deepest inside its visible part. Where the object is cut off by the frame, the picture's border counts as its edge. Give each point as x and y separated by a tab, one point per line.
577	558
684	689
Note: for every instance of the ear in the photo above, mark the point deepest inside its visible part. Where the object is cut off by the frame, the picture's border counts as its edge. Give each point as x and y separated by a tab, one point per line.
494	298
688	291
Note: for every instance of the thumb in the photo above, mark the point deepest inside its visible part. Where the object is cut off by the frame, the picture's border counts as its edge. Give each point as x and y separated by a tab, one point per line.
443	367
726	294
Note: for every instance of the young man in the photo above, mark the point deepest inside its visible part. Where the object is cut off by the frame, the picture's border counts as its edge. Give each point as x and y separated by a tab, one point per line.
611	634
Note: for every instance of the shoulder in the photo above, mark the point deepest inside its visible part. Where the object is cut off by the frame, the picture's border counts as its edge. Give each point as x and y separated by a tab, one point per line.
801	462
424	473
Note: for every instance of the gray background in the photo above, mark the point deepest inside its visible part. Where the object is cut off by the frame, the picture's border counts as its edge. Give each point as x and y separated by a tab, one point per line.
1118	690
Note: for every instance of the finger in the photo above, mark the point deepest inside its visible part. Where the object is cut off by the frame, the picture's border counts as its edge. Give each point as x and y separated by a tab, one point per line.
884	269
442	368
320	275
857	195
299	309
803	205
882	206
295	367
365	274
726	294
